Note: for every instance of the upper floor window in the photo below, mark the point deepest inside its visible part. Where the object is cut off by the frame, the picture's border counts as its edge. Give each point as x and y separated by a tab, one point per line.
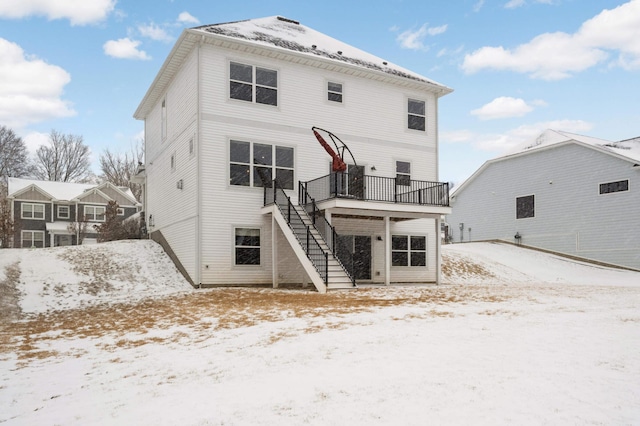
63	212
120	211
417	115
253	84
618	186
172	161
525	207
408	250
32	211
403	173
256	164
334	92
94	213
163	119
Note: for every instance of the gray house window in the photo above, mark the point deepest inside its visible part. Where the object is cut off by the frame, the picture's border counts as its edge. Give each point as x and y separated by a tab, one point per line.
525	207
253	84
256	164
334	92
408	250
417	115
618	186
32	239
247	246
32	211
63	212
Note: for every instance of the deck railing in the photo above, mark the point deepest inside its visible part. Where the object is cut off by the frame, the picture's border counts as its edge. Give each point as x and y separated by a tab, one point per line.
378	188
312	248
328	232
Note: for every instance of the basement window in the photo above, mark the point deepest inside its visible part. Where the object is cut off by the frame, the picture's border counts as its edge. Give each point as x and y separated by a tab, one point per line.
618	186
247	246
408	250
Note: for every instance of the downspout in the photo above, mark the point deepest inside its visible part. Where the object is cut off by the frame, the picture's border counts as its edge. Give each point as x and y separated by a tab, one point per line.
198	142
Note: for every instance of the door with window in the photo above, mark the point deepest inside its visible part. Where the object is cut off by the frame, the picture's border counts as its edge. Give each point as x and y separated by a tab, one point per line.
360	248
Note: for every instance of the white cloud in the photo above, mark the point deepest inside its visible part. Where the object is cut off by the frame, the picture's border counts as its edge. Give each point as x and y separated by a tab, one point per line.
187	18
515	139
503	107
554	56
478	6
77	12
124	48
513	4
154	32
30	89
414	39
33	140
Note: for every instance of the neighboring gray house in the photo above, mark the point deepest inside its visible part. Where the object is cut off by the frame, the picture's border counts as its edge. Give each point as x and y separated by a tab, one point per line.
566	193
232	109
43	210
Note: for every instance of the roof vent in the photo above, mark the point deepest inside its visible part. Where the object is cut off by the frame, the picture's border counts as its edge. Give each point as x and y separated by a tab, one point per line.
384	62
339	52
313	46
291	21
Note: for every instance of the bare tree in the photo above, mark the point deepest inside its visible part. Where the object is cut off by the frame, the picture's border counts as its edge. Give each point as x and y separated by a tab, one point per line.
79	228
14	159
66	159
8	226
120	168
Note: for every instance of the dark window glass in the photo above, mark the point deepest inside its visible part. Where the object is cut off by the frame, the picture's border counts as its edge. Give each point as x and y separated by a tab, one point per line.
418	243
399	242
417	122
525	207
241	72
619	186
334	97
262	177
399	258
418	258
239	174
416	107
240	152
266	96
265	77
285	178
284	157
334	93
247	256
262	154
240	91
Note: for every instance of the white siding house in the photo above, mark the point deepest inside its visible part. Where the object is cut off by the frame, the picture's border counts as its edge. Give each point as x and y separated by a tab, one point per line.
233	107
566	193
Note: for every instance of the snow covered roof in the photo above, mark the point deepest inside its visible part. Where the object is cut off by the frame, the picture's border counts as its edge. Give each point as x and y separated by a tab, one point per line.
628	149
292	35
280	36
60	191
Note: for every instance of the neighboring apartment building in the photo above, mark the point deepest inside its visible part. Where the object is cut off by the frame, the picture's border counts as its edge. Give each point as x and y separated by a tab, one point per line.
43	210
567	193
232	108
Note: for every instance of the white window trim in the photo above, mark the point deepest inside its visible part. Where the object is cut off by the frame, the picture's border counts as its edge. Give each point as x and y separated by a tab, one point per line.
68	212
615	192
33	232
172	162
234	246
327	91
407	113
94	214
409	250
120	211
252	165
191	146
163	119
22	216
253	82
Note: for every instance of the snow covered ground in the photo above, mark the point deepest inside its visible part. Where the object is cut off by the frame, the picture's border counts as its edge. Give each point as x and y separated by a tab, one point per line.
514	337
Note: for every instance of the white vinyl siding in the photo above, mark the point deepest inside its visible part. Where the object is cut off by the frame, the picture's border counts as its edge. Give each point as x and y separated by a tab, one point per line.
32	211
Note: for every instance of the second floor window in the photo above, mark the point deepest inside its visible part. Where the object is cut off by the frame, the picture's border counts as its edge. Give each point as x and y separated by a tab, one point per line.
417	119
334	92
257	164
94	213
63	212
253	84
32	211
403	173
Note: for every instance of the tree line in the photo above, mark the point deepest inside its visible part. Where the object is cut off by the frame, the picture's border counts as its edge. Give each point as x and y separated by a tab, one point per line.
66	158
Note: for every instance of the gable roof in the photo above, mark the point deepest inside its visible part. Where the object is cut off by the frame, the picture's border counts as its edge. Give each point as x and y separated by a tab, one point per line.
278	36
61	191
628	149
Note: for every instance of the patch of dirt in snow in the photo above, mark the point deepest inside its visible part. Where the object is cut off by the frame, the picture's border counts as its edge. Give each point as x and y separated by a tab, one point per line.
201	313
455	266
9	293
